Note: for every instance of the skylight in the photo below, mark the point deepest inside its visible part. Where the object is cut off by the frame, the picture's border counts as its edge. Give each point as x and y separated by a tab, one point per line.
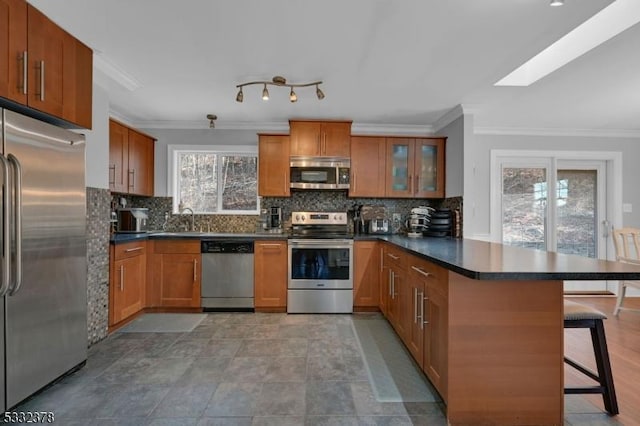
606	24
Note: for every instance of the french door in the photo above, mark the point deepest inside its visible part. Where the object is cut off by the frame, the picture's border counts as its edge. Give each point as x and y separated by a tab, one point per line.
556	205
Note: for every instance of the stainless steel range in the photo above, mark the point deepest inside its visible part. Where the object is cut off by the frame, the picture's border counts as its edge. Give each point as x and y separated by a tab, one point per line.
320	264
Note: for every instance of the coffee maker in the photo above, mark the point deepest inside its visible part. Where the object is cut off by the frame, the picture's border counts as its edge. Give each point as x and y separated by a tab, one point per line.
275	218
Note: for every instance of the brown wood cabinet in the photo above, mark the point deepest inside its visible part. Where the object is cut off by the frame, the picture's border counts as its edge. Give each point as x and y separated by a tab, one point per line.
131	160
13	47
273	165
427	339
415	167
320	138
394	266
42	66
366	285
270	275
368	166
128	280
174	274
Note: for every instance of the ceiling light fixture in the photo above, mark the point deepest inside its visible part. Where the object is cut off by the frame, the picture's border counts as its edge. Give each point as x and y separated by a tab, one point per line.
212	118
556	3
281	82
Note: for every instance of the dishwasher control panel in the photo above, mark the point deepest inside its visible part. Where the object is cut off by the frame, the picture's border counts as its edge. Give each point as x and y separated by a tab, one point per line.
226	246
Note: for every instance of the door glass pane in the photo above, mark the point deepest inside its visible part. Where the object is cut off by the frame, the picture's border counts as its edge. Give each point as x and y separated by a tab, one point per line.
524	199
400	168
428	171
576	210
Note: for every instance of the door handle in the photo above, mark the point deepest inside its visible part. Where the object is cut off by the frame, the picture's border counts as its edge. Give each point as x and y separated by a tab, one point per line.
41	94
415	305
6	240
131	183
25	66
195	270
112	168
422	300
17	219
421	271
121	277
133	249
606	226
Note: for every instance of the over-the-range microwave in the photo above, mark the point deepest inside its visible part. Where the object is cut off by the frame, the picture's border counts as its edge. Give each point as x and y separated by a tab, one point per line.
319	172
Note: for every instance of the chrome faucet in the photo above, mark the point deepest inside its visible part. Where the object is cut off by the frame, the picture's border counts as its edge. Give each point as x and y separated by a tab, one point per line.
182	209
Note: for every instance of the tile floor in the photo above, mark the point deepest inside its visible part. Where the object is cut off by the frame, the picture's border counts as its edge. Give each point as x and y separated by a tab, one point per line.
240	369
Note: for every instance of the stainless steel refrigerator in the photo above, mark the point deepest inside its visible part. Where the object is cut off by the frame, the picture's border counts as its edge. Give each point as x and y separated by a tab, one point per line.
43	271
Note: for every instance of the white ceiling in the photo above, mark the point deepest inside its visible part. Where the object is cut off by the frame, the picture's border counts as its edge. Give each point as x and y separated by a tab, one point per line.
383	62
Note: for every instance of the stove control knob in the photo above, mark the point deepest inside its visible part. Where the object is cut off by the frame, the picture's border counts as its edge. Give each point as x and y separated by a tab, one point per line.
337	217
303	218
297	218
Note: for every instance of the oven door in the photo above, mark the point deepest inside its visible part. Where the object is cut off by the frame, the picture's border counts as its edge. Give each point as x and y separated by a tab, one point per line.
320	264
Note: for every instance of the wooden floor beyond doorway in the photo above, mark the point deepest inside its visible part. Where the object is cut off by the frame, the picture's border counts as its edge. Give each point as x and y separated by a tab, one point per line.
623	340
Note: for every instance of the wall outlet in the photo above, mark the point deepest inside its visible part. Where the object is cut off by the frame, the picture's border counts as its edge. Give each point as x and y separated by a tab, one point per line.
396	217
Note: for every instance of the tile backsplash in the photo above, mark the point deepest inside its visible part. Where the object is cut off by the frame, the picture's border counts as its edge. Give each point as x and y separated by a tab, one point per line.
299	201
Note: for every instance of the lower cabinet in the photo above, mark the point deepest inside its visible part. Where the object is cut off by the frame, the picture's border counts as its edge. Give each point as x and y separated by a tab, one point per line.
174	274
366	279
128	279
270	275
415	293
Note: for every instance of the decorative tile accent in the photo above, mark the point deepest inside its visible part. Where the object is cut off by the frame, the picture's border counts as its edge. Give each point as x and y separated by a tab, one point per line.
98	210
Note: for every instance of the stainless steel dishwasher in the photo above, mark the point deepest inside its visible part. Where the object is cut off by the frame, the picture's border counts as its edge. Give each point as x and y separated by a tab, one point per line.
227	275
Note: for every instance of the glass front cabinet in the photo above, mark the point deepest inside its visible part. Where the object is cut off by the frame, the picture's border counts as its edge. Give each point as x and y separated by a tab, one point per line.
415	167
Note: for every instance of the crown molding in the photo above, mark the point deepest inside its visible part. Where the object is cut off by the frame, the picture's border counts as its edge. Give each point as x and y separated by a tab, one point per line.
453	114
259	126
115	73
532	131
122	118
391	129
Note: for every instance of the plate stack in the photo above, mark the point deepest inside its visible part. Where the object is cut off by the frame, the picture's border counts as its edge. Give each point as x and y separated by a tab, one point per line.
418	221
439	224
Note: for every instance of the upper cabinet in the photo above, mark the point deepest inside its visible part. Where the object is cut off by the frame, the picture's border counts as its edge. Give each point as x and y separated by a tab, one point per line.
273	165
415	167
368	160
320	138
131	160
42	66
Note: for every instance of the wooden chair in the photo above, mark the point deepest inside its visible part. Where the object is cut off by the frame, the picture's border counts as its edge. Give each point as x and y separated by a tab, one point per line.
627	244
577	315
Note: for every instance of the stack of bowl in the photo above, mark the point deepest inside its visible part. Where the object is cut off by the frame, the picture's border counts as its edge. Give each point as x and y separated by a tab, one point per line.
439	224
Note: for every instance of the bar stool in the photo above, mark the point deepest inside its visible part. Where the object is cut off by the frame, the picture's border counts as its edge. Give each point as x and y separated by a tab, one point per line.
577	315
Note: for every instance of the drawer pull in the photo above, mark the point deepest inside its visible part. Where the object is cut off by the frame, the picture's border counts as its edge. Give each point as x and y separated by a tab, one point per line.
133	249
268	245
421	271
393	257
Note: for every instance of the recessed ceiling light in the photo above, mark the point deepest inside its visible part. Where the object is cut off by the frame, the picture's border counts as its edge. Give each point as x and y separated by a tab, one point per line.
556	3
606	24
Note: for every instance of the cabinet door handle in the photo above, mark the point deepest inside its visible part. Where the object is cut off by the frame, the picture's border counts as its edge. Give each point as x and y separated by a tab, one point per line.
41	94
421	271
417	183
133	249
392	256
390	281
353	180
285	182
415	305
269	245
112	168
121	277
393	285
319	144
131	183
410	184
25	64
422	300
195	270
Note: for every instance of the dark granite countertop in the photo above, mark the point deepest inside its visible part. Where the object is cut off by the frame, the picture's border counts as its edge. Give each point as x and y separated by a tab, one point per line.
492	261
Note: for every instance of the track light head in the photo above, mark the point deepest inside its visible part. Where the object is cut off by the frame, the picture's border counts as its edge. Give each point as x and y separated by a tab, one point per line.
212	118
319	93
240	96
556	3
292	96
265	93
279	81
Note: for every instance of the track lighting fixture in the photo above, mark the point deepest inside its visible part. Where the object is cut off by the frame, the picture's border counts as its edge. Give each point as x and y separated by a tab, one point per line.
212	118
556	3
282	82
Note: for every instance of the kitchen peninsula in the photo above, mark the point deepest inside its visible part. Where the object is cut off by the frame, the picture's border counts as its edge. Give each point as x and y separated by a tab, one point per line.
483	320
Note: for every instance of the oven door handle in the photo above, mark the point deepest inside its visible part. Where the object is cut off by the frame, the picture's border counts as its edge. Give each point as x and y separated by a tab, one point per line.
328	243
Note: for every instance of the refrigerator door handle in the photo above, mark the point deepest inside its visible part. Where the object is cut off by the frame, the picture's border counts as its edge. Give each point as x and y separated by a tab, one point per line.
17	220
6	234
